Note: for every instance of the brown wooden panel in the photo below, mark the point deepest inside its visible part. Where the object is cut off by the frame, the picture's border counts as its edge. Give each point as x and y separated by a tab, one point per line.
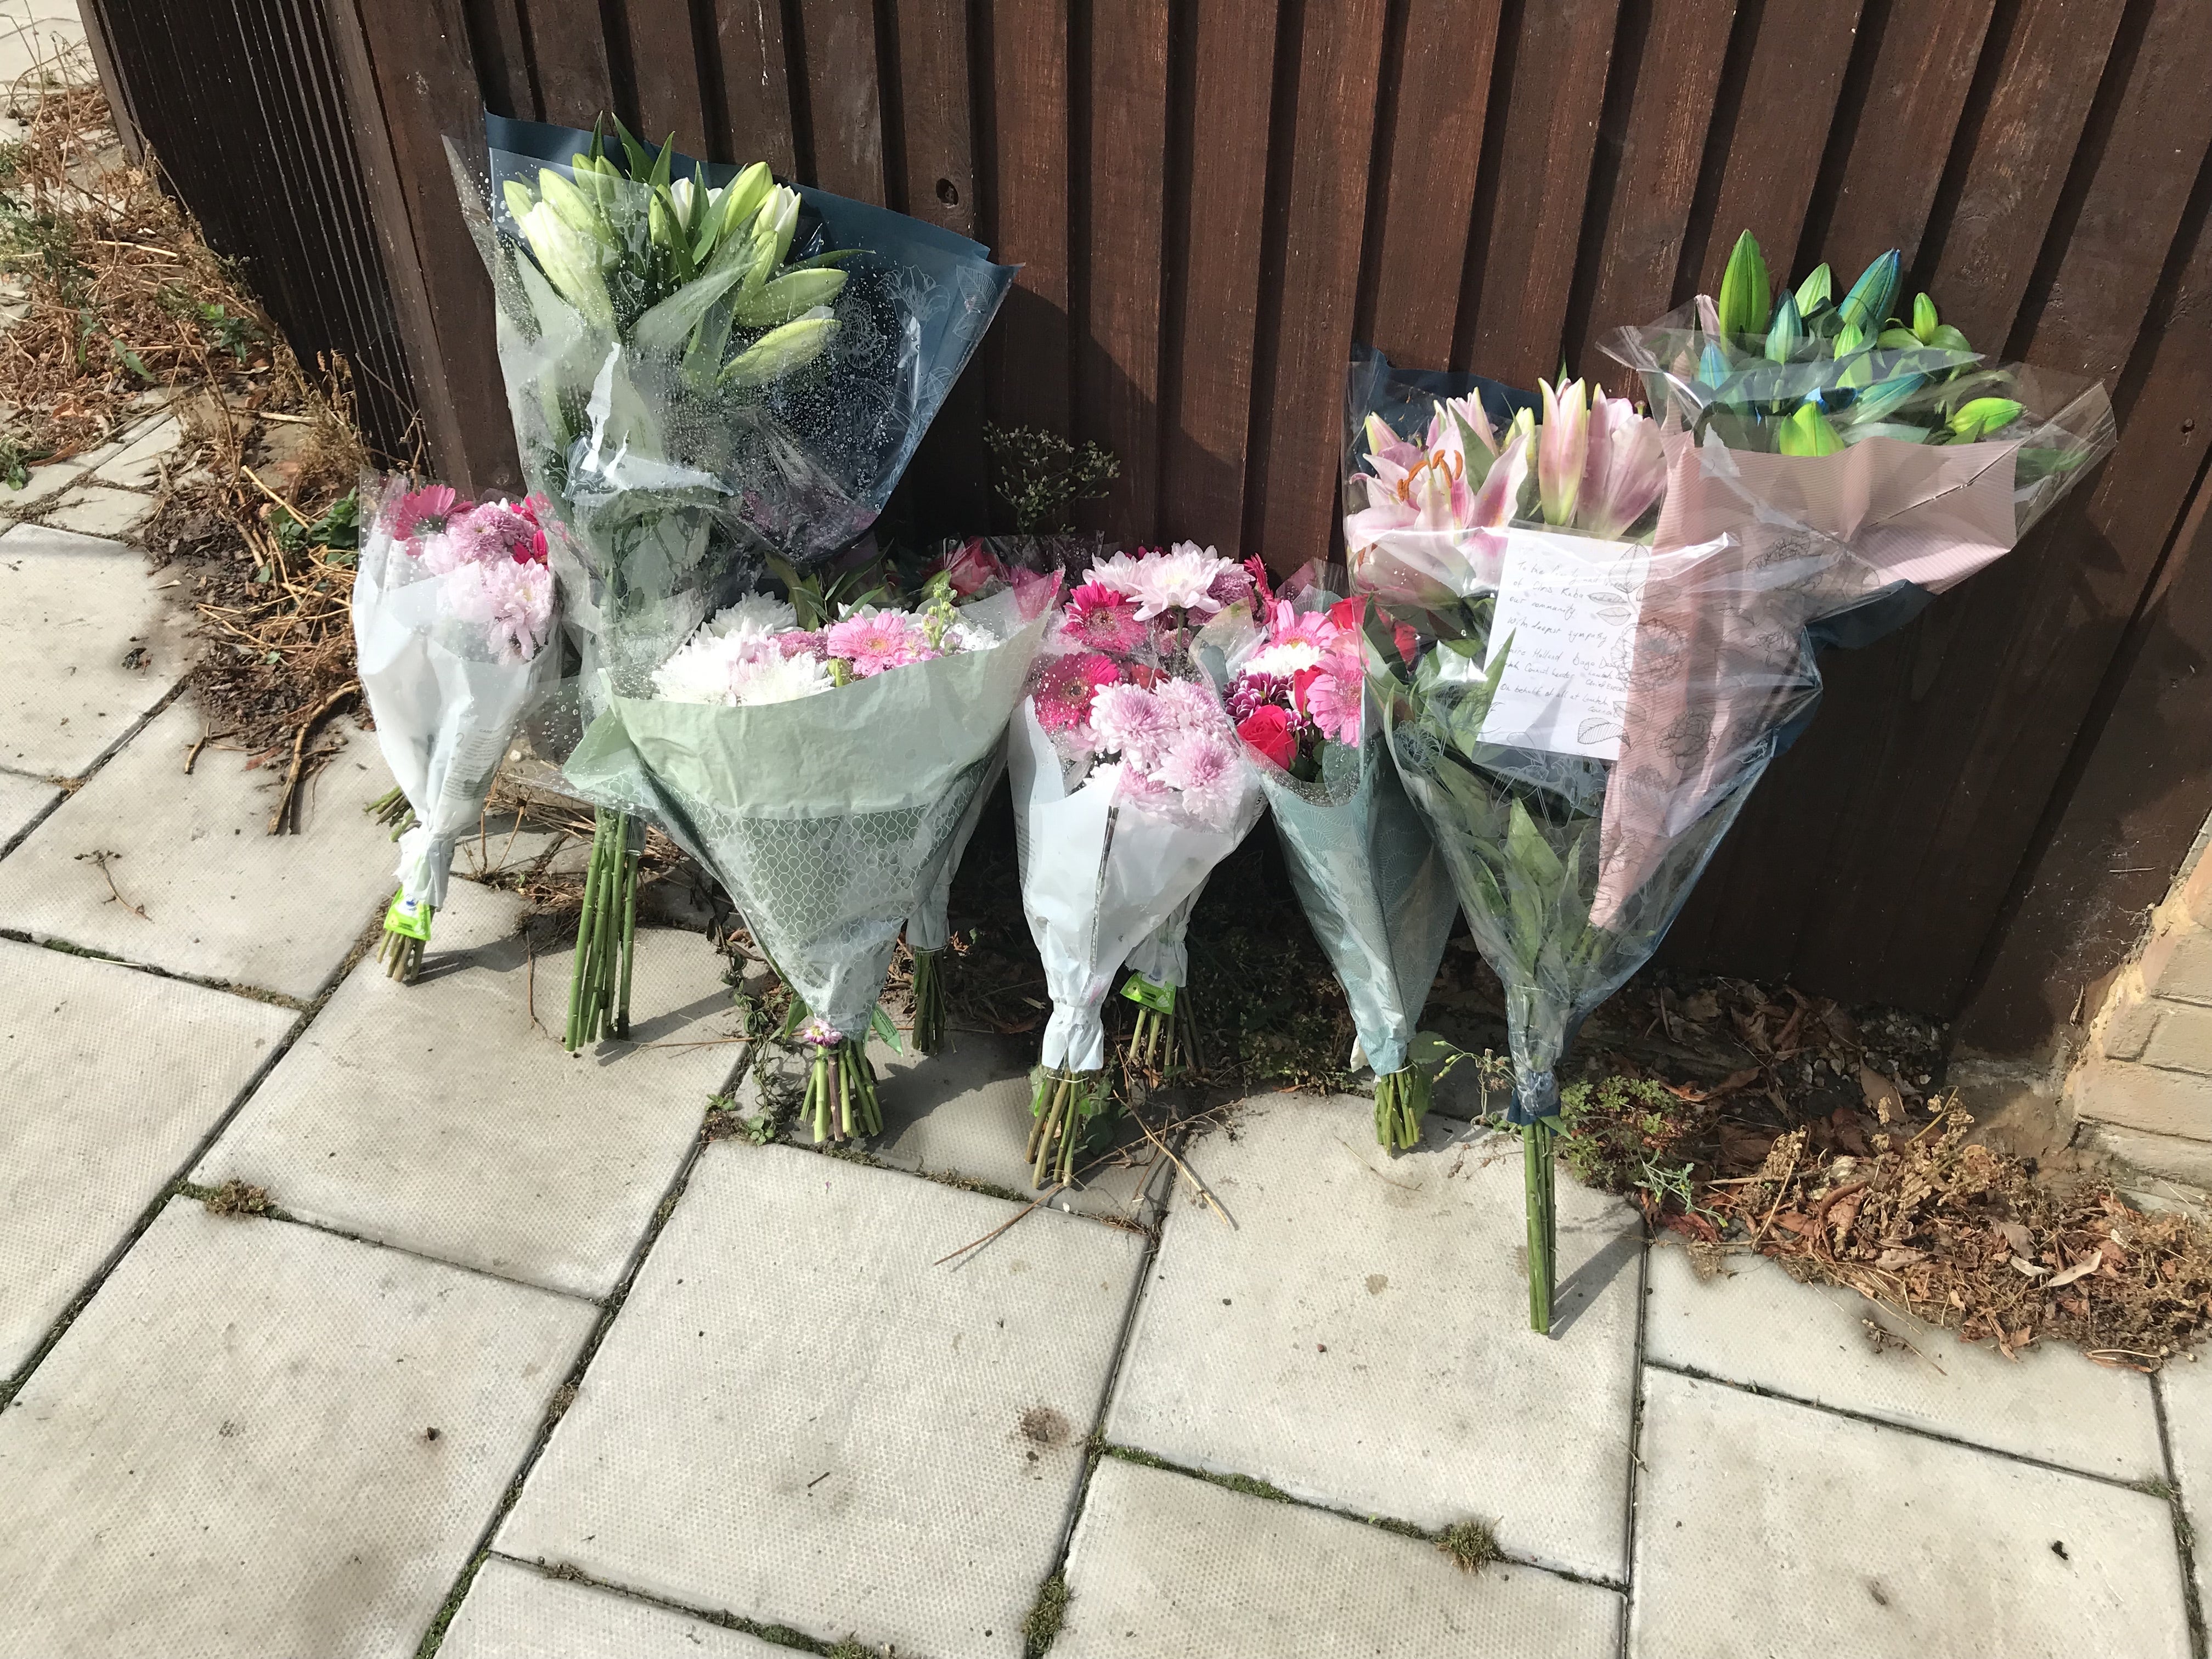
1213	271
403	104
1525	244
2134	809
1780	130
1290	501
663	56
844	101
936	146
575	84
754	75
1426	180
2019	146
1900	135
1026	214
1117	366
502	58
1650	155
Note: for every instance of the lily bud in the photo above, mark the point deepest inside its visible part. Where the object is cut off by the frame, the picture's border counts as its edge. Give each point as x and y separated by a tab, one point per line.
1562	450
779	351
1626	470
1816	290
571	263
565	200
520	201
1807	431
789	295
1924	318
1984	416
1744	293
743	195
1867	303
1787	329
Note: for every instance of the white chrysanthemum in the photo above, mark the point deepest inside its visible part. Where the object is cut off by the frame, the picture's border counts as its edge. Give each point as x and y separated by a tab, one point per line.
1180	580
966	636
699	669
755	616
1284	660
766	679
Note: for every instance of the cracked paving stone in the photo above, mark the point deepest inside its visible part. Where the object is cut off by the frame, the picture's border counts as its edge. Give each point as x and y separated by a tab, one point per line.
517	1613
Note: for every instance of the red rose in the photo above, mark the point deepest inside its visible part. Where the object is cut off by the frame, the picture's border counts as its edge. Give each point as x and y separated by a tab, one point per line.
1267	729
1349	613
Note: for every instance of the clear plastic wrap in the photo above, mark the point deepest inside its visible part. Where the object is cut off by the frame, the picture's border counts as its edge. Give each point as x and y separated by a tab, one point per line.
450	624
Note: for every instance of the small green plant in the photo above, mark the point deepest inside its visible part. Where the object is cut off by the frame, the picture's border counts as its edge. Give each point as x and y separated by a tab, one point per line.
1042	1628
1471	1544
231	333
1041	475
338	531
1618	1133
16	455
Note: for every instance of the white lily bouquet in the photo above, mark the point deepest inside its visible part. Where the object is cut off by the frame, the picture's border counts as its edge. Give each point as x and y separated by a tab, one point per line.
453	604
713	377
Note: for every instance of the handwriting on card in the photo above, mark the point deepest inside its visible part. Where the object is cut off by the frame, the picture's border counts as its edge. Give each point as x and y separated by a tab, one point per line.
1569	606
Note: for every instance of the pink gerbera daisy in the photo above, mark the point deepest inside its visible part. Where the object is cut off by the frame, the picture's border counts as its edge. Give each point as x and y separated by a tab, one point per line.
423	512
875	642
1065	686
1101	618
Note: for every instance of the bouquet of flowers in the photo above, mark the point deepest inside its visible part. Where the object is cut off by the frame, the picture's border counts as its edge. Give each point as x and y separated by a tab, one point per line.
452	604
1603	629
1129	786
821	774
714	378
1360	859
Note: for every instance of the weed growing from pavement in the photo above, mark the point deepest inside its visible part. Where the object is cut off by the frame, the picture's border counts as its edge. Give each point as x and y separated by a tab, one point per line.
1042	1628
1472	1545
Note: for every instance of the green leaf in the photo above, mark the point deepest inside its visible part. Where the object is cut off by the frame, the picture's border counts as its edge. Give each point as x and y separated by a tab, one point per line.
1983	416
664	329
1897	340
1948	338
1807	431
640	164
881	1023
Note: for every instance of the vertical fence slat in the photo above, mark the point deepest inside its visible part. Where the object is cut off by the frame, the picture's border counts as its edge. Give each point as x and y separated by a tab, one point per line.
1525	246
1427	184
1923	68
665	62
2022	145
1660	143
936	144
502	62
1994	718
576	83
844	100
755	87
1215	306
1118	369
1027	212
1781	130
1290	501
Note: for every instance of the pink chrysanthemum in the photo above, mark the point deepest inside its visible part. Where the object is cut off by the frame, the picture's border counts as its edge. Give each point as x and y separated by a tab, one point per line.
1128	720
513	603
874	643
1065	686
1101	618
798	642
1187	706
1205	766
1250	693
422	511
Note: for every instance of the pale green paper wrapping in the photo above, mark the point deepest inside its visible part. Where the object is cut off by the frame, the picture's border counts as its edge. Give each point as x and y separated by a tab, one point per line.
823	817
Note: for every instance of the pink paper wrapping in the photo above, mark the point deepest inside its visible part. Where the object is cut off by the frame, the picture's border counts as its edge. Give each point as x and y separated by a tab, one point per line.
1720	654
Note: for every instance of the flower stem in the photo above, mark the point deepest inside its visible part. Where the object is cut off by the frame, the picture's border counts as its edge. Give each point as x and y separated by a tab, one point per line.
580	977
928	1002
1401	1101
1543	1222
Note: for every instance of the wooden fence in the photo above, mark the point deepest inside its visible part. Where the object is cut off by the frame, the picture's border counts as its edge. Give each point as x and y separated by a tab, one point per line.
1211	199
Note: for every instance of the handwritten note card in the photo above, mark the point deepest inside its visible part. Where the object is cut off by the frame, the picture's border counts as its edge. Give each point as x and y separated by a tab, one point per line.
1567	610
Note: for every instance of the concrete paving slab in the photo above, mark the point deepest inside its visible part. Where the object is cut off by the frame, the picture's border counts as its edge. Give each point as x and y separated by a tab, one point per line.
857	1440
1168	1566
1757	1325
42	483
517	1613
436	1116
258	1439
2187	1387
223	899
966	1112
111	1078
1359	1337
21	800
98	510
1767	1528
138	465
90	646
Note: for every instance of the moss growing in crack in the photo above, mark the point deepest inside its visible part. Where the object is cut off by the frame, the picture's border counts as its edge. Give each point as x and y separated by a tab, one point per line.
234	1197
1244	1483
1042	1628
1471	1544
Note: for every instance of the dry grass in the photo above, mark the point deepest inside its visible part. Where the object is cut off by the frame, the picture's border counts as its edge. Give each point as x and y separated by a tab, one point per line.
123	301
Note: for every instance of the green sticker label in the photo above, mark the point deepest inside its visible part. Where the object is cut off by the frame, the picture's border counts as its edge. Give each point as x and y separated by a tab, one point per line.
1160	999
407	919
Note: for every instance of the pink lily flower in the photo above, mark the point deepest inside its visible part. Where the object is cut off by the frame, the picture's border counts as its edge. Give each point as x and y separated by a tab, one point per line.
1627	470
1561	450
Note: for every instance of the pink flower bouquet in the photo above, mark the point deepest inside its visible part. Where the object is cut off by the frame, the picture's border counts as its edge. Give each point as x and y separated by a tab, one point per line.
453	604
1129	786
